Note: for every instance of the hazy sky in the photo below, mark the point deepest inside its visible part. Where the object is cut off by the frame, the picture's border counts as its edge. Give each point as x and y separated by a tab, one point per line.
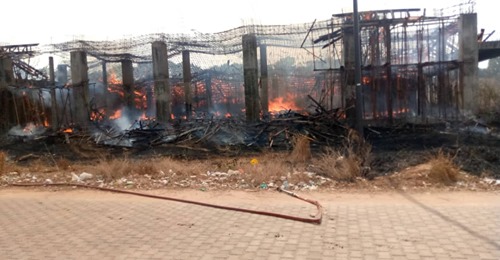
52	21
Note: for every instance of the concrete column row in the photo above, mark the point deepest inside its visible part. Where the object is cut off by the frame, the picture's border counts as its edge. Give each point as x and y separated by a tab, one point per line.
162	91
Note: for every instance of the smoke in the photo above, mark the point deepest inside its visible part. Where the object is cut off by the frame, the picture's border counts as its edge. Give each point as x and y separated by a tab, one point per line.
29	130
129	119
123	123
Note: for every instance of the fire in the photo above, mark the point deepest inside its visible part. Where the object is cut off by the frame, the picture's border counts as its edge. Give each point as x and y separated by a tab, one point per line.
279	104
143	116
140	99
68	130
115	85
116	115
97	115
113	79
29	128
46	122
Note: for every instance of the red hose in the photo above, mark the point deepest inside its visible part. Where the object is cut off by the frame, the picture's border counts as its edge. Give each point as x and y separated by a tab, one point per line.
316	220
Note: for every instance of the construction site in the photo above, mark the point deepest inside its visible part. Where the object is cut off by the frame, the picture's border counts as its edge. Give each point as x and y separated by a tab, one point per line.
257	88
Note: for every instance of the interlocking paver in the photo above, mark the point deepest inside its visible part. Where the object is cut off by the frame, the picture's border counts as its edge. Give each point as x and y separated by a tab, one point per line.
97	225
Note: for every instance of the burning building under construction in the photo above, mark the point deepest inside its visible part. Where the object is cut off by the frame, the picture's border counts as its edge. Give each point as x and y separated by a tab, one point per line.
415	66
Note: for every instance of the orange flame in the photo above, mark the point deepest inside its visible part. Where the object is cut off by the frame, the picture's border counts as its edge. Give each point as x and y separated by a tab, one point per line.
140	99
116	115
97	115
114	85
68	130
113	79
279	104
143	116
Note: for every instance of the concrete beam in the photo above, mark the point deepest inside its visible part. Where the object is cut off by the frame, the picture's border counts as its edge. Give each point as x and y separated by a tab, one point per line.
250	71
162	87
80	84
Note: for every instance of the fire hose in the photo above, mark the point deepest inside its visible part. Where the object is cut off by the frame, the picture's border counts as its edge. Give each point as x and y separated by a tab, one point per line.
314	220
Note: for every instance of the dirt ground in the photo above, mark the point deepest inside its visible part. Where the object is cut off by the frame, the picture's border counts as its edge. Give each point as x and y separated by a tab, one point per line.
399	159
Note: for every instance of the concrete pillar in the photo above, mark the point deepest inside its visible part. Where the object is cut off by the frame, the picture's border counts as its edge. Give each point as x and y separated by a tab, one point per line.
6	79
264	85
348	45
128	83
347	84
162	87
250	72
53	108
62	74
6	72
468	58
186	72
80	83
208	90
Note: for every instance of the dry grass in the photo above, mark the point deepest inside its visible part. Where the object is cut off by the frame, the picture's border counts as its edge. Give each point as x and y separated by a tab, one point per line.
334	165
357	148
2	163
63	164
180	169
348	163
443	170
112	169
118	168
301	152
41	165
265	168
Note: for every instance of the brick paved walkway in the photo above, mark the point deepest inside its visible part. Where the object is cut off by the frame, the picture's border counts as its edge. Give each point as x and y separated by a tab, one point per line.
99	225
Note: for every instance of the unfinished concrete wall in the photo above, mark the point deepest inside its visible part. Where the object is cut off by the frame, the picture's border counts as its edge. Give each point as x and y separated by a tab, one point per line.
128	83
468	58
80	85
250	71
162	87
264	85
186	73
